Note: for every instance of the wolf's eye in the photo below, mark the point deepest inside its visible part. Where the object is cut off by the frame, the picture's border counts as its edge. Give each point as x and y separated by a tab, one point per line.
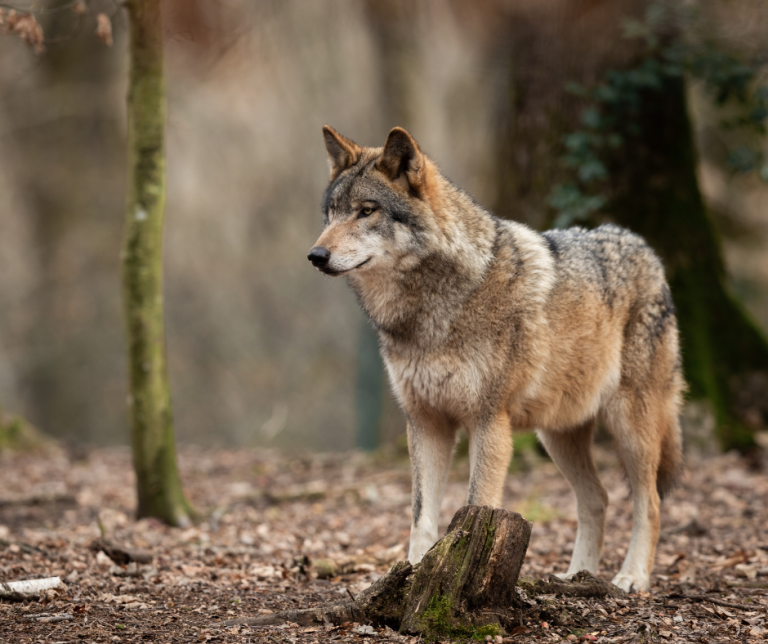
365	212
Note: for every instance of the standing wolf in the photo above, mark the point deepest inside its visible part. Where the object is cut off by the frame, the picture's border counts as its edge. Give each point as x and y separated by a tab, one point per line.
486	324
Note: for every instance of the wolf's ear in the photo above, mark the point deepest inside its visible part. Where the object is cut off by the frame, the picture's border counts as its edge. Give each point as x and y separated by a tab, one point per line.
342	152
402	161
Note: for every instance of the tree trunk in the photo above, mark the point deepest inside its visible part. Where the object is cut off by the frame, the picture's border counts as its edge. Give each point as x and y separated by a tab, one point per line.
653	188
658	196
548	45
154	453
369	390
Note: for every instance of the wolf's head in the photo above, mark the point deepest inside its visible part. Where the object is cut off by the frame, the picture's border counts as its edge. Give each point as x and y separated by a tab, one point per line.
379	208
410	243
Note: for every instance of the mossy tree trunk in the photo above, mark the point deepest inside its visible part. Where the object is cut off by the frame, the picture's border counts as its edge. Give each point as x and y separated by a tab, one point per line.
158	484
653	188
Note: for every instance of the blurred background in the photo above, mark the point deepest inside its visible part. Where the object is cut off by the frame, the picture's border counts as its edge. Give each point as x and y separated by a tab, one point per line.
262	349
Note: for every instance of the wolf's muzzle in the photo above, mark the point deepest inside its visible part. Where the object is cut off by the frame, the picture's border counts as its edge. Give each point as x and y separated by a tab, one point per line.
319	256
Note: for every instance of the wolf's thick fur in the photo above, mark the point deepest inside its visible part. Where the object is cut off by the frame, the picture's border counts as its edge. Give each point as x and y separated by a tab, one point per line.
487	324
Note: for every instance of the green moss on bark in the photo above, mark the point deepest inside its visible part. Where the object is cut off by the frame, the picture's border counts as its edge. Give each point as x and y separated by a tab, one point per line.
158	484
439	621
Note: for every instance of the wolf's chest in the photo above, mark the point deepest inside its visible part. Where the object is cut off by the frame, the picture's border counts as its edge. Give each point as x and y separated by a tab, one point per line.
444	382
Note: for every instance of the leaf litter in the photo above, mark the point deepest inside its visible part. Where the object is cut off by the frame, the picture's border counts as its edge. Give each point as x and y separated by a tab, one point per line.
280	531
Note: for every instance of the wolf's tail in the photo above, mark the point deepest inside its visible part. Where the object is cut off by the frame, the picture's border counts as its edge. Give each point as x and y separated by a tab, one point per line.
671	463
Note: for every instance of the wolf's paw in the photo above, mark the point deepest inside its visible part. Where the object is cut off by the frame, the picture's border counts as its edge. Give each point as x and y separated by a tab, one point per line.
419	547
631	583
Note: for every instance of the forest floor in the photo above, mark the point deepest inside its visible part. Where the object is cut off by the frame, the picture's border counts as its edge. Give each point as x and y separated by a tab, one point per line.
279	531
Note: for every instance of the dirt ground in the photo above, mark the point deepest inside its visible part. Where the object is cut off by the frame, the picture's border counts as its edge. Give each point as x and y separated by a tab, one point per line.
279	531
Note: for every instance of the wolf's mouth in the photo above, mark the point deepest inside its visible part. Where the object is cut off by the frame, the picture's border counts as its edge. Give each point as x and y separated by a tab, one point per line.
329	271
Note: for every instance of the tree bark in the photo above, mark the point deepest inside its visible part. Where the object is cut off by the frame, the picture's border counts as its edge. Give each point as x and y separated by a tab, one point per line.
159	488
547	45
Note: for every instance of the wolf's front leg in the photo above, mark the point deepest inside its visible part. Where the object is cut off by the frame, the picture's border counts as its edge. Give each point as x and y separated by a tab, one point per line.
430	444
490	450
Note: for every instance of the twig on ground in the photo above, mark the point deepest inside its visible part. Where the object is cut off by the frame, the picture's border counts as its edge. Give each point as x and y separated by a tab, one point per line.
747	584
24	547
712	600
120	554
47	618
39	499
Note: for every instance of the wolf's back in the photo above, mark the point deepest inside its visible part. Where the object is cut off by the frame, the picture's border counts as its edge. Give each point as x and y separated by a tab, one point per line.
609	256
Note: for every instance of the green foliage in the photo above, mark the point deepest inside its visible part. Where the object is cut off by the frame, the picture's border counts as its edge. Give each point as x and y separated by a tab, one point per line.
490	629
611	118
17	434
10	433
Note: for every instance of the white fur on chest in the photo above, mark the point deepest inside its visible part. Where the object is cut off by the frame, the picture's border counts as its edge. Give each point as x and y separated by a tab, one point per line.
442	382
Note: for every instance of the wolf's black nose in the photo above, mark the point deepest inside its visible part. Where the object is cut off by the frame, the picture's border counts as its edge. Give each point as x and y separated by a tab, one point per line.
319	256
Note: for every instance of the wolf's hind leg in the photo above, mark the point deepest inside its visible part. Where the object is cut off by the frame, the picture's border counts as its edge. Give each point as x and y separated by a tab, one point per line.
490	450
638	432
430	444
571	450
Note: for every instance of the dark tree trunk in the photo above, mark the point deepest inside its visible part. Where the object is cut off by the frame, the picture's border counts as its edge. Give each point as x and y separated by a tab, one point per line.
659	197
369	390
653	189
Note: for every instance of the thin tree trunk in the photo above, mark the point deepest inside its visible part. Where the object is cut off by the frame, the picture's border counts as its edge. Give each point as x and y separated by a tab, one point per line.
154	453
369	390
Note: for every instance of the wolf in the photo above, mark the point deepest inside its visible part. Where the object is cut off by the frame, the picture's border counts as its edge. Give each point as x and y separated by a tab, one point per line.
486	324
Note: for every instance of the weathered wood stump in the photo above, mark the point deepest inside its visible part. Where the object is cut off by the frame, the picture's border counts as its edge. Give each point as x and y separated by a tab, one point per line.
466	582
464	586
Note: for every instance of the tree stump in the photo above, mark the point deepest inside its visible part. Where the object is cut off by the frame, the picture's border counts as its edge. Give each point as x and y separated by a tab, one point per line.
464	586
466	582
